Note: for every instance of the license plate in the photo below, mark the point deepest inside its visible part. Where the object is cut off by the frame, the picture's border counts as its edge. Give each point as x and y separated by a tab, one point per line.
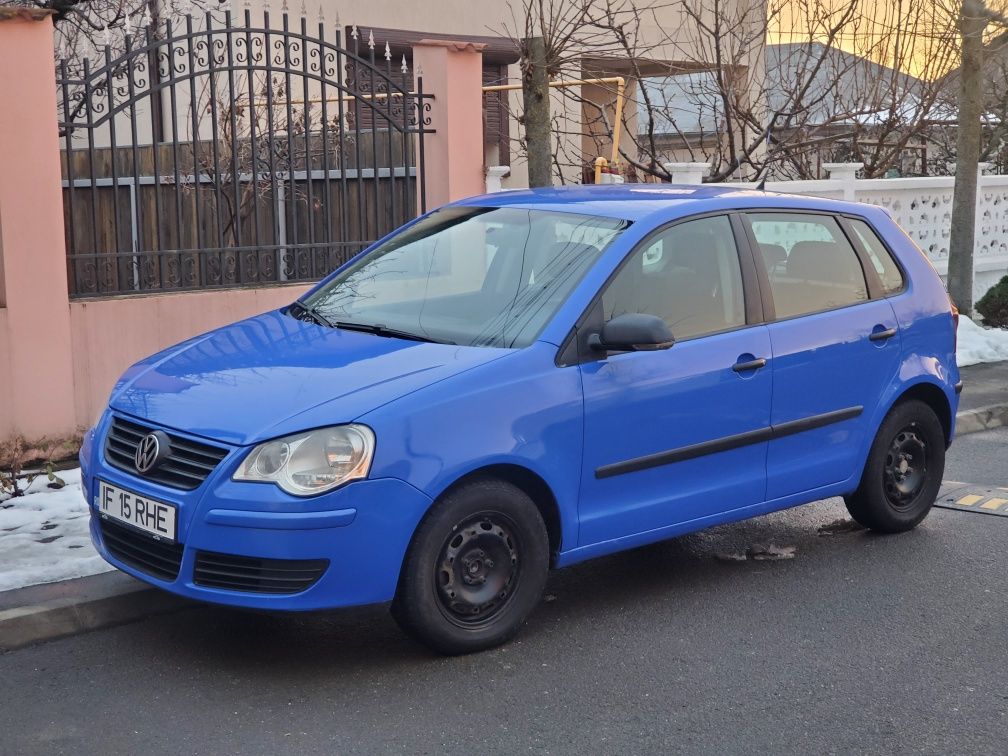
149	515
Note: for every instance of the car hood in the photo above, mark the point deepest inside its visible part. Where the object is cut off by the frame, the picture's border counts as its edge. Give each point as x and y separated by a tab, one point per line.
272	375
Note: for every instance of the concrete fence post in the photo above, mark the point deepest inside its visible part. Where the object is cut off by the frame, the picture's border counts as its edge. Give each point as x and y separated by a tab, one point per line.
36	365
687	173
453	73
845	174
495	174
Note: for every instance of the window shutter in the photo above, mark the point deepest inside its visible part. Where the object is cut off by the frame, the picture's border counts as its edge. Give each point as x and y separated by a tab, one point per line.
496	123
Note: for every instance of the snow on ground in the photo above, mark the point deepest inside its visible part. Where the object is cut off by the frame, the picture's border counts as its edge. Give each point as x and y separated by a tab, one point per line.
976	344
44	535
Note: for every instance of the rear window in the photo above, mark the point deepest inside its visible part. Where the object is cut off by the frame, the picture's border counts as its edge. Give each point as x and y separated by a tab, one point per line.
809	262
883	262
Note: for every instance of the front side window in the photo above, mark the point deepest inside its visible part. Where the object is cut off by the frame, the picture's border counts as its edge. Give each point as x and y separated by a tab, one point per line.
888	271
809	262
476	276
688	275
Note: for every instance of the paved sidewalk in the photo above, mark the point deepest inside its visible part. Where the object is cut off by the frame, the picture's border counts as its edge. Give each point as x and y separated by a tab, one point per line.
44	612
983	403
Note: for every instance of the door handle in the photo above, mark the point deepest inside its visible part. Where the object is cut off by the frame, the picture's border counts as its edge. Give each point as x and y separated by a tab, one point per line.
882	335
741	367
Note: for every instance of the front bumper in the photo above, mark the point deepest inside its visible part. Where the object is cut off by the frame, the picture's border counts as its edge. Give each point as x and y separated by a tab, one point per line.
361	531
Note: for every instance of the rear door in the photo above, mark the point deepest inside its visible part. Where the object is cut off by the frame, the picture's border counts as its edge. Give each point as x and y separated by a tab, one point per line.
835	348
677	435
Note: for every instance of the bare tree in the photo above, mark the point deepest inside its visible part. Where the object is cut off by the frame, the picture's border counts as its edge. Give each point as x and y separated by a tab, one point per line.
254	151
974	20
555	39
837	82
943	131
536	118
708	88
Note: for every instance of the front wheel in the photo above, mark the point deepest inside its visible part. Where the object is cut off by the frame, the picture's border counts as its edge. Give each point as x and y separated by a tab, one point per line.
904	470
475	569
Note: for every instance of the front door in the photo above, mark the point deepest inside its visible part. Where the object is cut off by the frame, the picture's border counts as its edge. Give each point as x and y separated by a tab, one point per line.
678	435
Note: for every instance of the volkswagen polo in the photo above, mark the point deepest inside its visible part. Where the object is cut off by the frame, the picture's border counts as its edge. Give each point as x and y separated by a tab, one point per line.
523	381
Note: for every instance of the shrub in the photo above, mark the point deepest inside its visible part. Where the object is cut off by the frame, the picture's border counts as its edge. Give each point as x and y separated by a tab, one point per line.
17	454
994	305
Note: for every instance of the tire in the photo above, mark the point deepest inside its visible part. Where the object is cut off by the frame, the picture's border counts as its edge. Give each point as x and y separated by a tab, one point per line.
904	470
475	569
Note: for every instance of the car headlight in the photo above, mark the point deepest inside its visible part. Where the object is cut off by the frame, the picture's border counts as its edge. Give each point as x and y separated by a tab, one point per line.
312	462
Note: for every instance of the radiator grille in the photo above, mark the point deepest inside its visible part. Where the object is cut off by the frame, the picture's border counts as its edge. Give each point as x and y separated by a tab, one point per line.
187	465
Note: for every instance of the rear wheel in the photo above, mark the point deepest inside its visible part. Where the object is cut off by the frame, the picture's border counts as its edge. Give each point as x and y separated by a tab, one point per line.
476	567
904	470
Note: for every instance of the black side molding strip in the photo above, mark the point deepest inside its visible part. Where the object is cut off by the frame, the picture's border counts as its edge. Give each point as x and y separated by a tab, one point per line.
727	443
815	421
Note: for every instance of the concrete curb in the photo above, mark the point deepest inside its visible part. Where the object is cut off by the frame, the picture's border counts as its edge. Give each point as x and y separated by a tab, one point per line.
981	419
45	612
54	610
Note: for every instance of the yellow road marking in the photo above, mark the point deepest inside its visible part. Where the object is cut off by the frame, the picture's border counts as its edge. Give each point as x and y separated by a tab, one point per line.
970	500
993	504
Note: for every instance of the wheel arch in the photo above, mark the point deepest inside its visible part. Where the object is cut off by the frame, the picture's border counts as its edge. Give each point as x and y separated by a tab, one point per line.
532	484
933	396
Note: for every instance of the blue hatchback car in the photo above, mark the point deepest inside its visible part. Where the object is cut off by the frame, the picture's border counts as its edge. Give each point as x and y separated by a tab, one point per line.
523	381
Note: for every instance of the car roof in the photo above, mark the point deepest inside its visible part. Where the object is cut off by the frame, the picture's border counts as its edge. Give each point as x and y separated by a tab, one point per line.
637	201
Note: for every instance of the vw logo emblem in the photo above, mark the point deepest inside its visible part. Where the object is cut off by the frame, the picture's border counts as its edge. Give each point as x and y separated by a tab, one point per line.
149	451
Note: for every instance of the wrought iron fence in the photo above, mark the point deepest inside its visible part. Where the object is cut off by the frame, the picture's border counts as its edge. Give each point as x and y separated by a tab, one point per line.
210	154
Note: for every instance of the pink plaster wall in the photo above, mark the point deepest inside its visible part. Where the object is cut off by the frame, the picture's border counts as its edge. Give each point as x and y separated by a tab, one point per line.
6	418
453	71
36	341
109	335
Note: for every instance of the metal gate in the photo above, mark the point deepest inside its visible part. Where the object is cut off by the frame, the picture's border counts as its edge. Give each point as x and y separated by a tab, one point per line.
208	154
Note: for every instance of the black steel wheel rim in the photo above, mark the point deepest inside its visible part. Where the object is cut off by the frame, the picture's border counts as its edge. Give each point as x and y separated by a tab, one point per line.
477	569
905	469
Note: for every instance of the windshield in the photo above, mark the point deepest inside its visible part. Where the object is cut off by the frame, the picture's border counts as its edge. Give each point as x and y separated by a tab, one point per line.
482	276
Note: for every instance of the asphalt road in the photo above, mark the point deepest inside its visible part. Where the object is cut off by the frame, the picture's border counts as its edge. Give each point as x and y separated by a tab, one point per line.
860	643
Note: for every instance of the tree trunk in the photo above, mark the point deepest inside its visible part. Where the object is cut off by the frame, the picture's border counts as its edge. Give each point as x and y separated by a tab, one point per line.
972	22
535	94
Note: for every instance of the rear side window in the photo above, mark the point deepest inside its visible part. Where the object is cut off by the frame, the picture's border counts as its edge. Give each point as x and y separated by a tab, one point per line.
688	275
887	269
811	265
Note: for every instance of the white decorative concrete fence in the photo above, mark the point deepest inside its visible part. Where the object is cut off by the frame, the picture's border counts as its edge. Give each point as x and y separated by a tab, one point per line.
922	206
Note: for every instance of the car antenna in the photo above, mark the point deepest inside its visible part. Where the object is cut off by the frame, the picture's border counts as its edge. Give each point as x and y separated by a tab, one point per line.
761	185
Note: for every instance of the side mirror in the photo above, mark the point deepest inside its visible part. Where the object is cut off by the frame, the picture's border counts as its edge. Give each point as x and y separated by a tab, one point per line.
632	332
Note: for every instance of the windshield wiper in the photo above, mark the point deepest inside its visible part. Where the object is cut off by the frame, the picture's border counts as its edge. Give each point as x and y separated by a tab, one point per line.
314	314
379	330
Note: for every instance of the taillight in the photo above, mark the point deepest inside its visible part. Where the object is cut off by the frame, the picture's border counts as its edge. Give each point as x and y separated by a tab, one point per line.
955	322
